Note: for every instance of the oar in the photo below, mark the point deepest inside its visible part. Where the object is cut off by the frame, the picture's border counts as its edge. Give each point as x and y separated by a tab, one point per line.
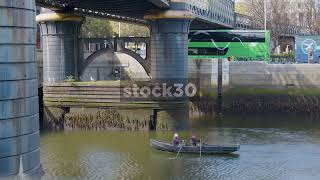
200	147
179	150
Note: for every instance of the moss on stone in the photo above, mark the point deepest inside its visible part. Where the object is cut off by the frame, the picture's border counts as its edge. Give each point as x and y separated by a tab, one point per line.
238	91
115	83
235	91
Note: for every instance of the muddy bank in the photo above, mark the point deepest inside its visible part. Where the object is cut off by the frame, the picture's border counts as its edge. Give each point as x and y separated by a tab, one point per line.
61	118
104	120
80	113
58	118
98	119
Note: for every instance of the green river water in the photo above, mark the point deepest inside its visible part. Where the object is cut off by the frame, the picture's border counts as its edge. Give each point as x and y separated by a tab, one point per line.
272	147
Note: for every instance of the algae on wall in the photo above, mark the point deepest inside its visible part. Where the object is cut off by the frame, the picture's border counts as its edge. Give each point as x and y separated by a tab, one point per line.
104	119
260	100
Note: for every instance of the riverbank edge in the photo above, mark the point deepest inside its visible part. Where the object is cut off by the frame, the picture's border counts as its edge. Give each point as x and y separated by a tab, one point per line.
67	106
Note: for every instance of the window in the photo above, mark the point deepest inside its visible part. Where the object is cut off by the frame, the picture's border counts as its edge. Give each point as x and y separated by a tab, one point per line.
227	37
207	52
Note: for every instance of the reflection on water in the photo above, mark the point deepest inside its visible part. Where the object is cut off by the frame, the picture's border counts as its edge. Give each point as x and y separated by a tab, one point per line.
281	147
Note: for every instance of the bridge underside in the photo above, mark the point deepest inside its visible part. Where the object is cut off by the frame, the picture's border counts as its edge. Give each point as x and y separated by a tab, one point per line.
198	24
133	8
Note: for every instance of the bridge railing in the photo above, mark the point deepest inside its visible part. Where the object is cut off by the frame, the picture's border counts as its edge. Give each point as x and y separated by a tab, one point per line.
246	22
93	48
215	11
135	44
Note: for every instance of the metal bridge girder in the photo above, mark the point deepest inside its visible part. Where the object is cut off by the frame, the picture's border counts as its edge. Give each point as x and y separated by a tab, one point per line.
160	3
210	12
213	11
246	22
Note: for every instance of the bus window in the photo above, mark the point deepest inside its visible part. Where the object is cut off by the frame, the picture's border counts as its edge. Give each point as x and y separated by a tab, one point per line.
207	51
244	45
227	36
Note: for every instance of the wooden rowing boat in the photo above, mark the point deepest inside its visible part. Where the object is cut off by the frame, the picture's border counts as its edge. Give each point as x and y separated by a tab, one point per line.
204	148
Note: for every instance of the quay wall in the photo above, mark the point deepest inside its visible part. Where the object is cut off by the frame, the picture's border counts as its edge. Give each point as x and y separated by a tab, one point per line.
101	106
274	75
258	87
256	74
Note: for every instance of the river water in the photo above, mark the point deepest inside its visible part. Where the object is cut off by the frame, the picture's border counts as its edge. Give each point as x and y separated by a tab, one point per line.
272	147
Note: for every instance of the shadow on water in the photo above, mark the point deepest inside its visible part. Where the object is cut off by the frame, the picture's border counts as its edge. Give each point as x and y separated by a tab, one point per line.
293	121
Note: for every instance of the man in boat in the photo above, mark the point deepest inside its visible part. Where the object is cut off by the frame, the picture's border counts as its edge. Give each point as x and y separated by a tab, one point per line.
176	139
194	140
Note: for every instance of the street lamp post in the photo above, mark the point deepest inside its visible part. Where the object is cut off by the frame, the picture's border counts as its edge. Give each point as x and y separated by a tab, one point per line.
265	14
119	29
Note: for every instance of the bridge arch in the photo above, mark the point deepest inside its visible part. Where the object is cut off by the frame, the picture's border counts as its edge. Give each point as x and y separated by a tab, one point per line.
93	56
106	60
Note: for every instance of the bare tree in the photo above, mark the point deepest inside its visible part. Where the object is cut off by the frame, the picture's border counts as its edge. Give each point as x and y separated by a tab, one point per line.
278	17
279	21
312	16
256	12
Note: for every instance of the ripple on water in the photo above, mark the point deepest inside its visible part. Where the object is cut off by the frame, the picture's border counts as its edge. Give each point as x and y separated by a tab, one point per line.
260	136
277	154
107	165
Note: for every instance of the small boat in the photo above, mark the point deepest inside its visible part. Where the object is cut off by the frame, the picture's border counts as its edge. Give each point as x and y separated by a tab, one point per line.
204	148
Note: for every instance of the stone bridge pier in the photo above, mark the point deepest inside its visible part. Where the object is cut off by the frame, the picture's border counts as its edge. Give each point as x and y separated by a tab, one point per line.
169	56
169	44
19	118
60	32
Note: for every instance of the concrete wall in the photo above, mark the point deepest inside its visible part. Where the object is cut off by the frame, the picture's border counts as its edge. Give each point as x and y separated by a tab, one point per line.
207	71
256	74
274	75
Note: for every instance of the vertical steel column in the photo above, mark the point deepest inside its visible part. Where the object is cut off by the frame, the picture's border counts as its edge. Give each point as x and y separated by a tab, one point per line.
60	32
19	119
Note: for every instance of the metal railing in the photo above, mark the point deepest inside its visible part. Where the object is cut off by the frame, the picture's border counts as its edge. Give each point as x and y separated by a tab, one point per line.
137	45
282	60
214	11
246	22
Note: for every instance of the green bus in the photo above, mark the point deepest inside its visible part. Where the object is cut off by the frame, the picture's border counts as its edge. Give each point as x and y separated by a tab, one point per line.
240	45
